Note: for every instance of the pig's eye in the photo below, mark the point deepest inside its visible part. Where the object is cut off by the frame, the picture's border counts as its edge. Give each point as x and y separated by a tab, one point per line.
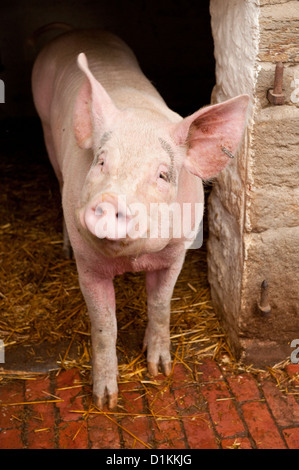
100	158
164	175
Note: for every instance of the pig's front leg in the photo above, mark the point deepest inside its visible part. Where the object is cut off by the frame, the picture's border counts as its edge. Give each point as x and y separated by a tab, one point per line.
100	299
159	286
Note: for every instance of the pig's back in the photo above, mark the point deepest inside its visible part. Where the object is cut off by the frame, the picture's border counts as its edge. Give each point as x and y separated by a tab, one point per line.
56	75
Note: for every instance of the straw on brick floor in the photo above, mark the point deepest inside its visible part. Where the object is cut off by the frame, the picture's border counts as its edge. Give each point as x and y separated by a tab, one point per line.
209	407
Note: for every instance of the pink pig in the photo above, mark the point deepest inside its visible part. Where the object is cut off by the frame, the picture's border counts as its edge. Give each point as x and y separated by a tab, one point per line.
115	146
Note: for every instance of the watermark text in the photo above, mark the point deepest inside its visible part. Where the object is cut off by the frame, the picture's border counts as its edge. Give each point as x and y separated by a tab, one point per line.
118	220
2	352
2	92
295	353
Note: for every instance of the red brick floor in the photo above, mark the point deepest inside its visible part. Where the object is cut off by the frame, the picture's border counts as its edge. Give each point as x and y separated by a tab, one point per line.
207	408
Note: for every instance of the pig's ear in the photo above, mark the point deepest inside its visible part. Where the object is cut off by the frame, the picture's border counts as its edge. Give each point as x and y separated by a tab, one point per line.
210	130
93	107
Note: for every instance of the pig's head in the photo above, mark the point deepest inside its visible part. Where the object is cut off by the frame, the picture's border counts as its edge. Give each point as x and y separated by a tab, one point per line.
138	155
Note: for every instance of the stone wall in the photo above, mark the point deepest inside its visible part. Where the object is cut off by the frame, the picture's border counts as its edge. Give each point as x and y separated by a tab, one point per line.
254	206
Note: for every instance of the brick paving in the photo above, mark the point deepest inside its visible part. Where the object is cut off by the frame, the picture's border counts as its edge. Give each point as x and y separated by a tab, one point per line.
210	407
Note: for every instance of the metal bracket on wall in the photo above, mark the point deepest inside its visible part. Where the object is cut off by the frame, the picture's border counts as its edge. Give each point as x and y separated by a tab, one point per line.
264	305
276	96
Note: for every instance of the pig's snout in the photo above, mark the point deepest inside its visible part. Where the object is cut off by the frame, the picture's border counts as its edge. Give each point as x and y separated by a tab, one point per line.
108	216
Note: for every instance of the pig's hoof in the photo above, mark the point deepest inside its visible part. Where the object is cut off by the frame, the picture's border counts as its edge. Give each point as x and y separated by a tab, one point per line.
158	355
100	400
153	368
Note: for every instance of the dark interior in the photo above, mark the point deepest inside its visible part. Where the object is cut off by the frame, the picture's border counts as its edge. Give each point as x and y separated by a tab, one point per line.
171	39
